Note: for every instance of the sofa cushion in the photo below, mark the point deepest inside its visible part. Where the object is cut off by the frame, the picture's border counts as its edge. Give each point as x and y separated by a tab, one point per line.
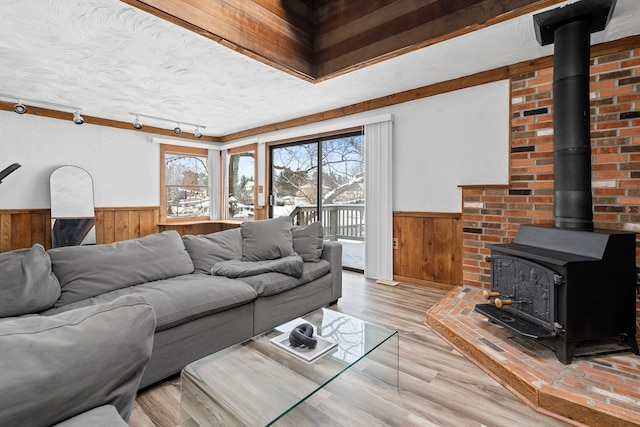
209	249
55	367
179	299
307	241
87	271
182	299
266	239
274	283
27	284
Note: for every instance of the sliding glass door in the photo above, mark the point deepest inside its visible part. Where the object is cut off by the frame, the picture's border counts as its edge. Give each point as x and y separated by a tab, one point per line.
323	180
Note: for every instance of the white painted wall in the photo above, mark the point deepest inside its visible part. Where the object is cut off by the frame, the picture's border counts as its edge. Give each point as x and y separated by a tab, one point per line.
447	140
124	164
439	143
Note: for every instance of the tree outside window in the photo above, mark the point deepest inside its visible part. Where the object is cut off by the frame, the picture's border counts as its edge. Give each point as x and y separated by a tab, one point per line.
185	187
242	185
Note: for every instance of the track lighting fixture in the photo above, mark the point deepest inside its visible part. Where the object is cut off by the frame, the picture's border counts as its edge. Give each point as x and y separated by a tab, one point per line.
177	129
19	108
77	118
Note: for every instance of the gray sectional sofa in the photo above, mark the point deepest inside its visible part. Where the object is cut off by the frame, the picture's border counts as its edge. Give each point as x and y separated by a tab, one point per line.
205	293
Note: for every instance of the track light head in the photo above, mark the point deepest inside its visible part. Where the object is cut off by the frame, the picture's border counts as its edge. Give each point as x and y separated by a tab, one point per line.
19	108
177	129
137	124
197	132
77	118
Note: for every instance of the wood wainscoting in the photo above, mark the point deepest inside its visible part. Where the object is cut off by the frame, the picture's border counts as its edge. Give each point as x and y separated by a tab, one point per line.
428	248
22	228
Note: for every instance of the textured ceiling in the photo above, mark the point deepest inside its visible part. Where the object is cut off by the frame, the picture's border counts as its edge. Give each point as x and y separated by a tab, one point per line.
109	59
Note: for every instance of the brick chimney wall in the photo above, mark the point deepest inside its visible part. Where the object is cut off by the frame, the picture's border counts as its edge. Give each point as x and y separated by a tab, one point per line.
493	213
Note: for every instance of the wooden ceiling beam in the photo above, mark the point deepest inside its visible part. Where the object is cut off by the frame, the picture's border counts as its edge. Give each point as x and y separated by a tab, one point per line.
403	26
274	32
319	39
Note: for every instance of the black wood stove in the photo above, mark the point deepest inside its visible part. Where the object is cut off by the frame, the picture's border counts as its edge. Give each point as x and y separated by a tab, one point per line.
566	288
568	285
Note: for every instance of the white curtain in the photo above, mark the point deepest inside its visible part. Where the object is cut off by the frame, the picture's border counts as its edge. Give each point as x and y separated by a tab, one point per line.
224	209
378	208
214	183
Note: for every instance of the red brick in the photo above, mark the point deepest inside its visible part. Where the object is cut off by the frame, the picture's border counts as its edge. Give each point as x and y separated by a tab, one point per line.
630	200
606	84
611	125
527	162
630	132
630	63
616	108
633	183
604	150
611	158
623	90
629	98
596	69
542	80
610	175
541	184
608	192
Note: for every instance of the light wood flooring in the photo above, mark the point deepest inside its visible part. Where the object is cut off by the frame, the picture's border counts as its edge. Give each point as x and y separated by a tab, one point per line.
438	386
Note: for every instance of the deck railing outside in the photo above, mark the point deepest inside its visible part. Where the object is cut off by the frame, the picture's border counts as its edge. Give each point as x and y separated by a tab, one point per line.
338	221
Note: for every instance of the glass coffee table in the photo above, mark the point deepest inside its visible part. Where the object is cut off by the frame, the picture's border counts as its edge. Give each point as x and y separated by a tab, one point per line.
256	383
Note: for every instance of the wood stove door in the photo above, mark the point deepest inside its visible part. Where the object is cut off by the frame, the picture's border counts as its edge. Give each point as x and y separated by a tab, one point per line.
528	287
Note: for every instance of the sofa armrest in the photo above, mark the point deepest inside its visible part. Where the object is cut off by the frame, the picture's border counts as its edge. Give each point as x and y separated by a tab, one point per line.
56	367
332	252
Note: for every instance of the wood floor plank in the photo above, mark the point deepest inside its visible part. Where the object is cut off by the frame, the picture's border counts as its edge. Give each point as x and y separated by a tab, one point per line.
438	386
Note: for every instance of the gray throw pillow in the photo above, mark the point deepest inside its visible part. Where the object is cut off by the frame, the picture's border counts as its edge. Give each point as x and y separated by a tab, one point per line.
209	249
307	241
27	284
266	239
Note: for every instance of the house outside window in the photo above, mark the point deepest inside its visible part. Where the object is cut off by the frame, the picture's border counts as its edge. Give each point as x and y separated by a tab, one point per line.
184	184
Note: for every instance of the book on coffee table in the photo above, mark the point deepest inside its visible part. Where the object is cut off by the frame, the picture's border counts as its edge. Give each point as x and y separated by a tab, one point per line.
323	346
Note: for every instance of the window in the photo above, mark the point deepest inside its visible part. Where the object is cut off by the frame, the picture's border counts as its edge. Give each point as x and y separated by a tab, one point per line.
242	185
322	179
184	183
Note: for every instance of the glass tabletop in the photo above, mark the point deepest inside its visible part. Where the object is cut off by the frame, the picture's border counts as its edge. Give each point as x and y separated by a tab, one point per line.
256	382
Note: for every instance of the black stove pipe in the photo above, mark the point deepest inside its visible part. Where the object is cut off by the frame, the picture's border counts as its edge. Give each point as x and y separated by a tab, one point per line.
571	127
570	28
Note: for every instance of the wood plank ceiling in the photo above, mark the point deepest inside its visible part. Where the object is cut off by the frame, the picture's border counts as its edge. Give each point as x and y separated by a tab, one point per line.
319	39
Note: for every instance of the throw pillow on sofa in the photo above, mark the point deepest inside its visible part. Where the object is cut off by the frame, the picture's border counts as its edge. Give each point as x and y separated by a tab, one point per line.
27	284
266	239
209	249
307	241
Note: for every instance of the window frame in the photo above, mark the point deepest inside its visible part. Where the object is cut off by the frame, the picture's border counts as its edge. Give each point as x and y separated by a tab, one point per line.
186	151
239	150
312	138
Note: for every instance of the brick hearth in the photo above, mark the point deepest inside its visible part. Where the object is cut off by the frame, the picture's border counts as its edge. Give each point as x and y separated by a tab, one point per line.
602	390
